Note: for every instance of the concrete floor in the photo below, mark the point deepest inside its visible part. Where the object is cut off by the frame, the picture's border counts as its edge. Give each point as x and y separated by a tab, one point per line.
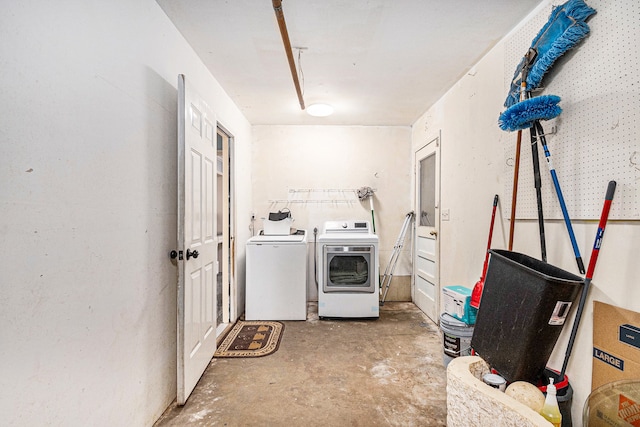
384	372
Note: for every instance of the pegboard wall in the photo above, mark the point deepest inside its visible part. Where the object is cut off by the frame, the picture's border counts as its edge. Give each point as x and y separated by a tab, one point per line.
596	139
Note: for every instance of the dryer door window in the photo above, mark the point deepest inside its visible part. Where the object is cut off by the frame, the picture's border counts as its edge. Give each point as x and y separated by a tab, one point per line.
349	269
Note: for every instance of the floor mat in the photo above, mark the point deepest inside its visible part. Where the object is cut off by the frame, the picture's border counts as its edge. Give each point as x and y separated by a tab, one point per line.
251	339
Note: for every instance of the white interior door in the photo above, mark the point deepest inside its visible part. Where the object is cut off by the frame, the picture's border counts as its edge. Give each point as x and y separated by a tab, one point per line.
197	238
426	286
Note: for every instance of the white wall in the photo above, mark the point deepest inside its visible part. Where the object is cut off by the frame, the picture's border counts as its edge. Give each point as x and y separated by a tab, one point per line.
88	208
472	172
335	158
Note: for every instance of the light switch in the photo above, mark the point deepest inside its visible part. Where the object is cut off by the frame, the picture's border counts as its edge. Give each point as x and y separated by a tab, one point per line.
445	214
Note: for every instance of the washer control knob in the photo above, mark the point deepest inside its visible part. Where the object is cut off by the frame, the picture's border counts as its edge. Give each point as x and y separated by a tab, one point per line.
344	225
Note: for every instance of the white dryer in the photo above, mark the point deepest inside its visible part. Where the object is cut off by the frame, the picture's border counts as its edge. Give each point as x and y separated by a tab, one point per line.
348	273
277	277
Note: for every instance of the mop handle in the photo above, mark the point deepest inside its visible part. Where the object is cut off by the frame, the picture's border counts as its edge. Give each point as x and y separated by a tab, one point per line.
611	188
567	221
373	219
493	218
528	59
538	186
563	206
514	191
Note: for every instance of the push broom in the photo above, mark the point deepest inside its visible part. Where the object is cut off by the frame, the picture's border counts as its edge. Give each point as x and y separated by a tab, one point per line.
527	114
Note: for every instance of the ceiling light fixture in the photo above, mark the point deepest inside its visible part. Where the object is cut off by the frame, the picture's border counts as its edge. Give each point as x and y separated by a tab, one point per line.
320	110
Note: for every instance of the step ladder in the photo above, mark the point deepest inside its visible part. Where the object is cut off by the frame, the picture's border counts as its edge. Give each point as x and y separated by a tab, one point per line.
385	281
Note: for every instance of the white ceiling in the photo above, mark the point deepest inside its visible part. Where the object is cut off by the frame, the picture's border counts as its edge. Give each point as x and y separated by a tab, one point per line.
378	62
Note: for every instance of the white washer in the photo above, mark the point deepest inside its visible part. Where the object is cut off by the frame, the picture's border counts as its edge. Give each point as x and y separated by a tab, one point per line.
277	277
348	276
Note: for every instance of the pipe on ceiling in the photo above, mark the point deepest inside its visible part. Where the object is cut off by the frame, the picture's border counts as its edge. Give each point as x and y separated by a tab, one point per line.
277	7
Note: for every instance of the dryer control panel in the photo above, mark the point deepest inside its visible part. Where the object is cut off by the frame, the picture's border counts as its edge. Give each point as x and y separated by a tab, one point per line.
350	226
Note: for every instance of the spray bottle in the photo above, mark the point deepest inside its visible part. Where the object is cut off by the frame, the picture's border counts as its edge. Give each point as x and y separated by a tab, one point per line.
551	411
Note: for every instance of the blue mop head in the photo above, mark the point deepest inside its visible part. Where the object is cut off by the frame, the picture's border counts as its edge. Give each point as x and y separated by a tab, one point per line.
565	28
523	114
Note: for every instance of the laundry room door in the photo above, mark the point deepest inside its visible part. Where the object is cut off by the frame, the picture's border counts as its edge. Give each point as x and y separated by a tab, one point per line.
426	286
197	238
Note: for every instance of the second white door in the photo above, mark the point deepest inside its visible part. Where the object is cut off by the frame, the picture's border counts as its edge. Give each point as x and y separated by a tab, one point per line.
426	289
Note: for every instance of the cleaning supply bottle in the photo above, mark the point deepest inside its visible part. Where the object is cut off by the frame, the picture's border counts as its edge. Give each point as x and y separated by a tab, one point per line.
551	411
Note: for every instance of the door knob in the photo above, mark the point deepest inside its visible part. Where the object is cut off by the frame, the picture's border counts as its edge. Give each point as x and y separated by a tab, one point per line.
432	232
173	254
192	254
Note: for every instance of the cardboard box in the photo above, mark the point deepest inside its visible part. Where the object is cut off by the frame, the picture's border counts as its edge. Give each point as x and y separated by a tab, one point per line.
456	301
616	340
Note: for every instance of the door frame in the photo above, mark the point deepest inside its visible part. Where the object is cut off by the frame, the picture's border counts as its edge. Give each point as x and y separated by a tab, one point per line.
434	138
228	267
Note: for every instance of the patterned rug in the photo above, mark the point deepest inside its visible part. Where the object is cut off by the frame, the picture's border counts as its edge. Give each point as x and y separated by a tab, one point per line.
251	339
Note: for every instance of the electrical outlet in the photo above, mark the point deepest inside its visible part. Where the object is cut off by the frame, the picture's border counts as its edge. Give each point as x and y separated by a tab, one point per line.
445	214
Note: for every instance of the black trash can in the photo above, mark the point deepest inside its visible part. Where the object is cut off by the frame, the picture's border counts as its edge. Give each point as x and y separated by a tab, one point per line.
524	306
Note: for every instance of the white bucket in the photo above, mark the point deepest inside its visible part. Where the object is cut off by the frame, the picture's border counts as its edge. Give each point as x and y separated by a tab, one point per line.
456	338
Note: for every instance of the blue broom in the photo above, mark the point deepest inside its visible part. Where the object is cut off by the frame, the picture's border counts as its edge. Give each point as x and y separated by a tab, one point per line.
525	114
528	114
